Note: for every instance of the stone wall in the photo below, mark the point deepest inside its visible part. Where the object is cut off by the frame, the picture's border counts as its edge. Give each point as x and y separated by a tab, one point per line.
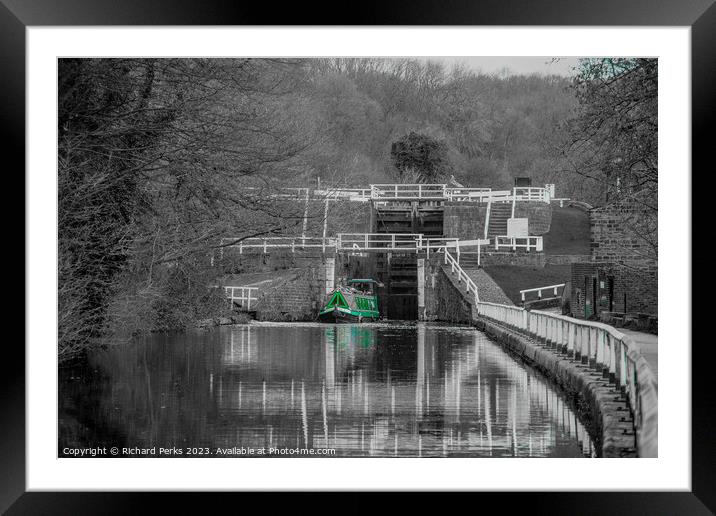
464	220
615	235
296	297
613	287
622	275
443	302
532	258
566	259
599	403
277	259
538	213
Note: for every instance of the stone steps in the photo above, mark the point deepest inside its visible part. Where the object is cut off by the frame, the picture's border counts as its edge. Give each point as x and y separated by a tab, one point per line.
499	214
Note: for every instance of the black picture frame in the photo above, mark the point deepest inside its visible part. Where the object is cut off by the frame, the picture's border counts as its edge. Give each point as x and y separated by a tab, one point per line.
17	15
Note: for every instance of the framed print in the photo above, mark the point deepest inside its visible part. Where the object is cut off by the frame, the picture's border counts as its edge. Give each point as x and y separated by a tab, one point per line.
415	253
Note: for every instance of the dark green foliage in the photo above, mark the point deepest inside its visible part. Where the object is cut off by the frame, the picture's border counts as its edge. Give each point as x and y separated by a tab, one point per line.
422	156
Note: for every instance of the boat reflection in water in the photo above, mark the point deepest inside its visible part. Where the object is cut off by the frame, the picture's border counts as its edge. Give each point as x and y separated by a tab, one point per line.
364	390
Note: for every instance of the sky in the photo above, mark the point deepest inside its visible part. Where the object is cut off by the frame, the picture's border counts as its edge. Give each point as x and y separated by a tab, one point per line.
515	65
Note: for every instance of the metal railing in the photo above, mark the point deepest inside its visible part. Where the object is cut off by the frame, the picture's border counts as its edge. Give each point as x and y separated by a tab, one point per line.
242	296
514	243
470	286
539	290
600	346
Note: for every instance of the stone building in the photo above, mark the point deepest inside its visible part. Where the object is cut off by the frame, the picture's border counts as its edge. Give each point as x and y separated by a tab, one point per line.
622	275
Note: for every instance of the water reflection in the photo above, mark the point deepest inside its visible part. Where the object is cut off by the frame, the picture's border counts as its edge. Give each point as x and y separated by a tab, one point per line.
364	390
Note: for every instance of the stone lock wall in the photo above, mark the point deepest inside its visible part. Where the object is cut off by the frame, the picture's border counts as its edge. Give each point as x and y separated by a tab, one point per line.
538	213
274	260
442	301
465	220
298	296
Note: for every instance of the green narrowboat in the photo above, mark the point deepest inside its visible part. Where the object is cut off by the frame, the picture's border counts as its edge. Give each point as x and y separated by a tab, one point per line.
354	303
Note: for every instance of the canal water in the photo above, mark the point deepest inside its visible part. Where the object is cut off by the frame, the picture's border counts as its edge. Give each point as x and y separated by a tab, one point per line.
371	390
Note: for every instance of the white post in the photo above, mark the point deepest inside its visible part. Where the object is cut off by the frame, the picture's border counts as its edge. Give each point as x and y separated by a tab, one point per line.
514	200
325	224
330	274
421	287
305	218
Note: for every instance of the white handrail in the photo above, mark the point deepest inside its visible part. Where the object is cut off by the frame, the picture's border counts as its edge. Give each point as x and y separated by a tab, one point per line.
244	298
487	218
514	243
470	285
266	243
379	241
540	289
599	345
405	191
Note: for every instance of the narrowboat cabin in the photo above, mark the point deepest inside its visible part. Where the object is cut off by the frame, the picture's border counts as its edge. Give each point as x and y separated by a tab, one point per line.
355	302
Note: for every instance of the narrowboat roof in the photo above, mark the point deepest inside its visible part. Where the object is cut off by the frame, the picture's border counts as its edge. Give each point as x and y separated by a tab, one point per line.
363	281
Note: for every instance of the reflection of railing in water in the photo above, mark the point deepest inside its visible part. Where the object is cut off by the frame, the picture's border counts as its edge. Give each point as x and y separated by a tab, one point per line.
524	389
498	409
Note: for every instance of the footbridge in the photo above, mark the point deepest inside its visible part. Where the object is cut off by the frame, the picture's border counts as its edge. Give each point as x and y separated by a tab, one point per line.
382	193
